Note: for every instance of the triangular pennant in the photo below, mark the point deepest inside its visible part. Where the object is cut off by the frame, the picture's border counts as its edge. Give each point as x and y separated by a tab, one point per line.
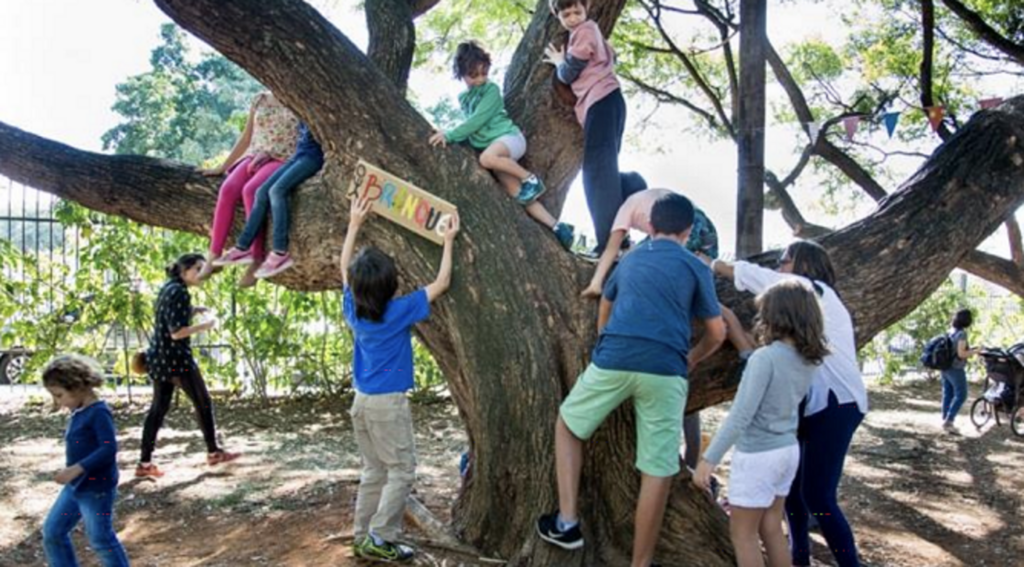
891	118
851	123
990	102
813	129
935	116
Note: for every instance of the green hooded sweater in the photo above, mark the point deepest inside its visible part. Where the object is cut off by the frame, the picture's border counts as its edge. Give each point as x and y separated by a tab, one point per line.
486	119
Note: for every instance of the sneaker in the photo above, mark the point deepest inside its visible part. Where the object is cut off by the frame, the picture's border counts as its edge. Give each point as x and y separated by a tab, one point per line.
530	190
547	529
234	256
950	428
383	551
221	457
275	264
148	471
209	268
591	256
564	232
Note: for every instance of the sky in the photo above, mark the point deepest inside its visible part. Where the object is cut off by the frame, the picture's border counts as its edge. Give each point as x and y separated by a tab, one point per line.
61	59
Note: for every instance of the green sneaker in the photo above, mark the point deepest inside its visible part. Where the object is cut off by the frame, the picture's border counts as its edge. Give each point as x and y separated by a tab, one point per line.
383	551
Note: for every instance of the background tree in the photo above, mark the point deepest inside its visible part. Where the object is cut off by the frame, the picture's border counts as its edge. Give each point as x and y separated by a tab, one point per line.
512	334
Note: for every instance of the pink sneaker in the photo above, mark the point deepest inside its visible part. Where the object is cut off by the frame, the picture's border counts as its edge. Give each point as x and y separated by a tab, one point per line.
275	264
234	256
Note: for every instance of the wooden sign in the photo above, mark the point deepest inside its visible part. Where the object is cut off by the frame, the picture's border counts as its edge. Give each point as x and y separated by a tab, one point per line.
402	202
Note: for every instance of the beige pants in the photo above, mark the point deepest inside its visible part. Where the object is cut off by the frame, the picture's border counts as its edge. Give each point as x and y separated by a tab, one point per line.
383	430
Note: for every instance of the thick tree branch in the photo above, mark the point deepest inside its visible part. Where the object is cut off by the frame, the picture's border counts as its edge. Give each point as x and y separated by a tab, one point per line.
392	38
986	32
999	271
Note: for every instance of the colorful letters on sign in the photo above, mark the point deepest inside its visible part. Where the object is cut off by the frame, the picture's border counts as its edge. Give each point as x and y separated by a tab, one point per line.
402	202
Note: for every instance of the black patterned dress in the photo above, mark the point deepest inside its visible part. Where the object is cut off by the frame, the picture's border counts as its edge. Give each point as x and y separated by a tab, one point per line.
166	357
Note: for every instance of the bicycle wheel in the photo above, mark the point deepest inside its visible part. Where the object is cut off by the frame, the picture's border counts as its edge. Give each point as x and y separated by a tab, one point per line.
1017	421
981	412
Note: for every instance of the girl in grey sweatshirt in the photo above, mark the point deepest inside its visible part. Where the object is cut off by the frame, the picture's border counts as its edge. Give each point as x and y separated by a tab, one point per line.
763	421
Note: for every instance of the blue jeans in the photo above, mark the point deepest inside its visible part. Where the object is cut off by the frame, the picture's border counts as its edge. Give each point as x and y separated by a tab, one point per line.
602	139
274	193
824	440
954	392
97	509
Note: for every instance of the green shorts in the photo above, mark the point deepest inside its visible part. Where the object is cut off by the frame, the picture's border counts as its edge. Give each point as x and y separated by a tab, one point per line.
658	400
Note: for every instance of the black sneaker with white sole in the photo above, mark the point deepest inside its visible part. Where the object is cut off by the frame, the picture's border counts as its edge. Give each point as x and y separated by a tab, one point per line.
547	528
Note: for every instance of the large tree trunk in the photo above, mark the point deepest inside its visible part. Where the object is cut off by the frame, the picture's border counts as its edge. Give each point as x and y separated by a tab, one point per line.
512	335
750	141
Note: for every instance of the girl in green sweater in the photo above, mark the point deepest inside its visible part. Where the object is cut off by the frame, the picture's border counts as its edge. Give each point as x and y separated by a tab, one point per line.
488	128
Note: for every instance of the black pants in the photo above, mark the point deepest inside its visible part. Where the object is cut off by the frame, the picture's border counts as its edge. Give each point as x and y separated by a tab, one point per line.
602	140
163	392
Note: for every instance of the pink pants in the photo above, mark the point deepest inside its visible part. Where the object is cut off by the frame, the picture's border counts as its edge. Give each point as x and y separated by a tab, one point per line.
239	184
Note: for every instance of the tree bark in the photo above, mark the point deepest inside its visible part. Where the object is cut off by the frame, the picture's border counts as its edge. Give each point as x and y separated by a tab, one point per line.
392	38
512	334
750	141
999	271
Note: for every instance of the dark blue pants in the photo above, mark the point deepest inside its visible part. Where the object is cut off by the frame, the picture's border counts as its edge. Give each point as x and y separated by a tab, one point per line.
602	140
954	392
274	193
824	440
96	509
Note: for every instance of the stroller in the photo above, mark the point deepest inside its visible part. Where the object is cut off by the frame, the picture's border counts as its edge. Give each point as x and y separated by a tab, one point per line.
1004	380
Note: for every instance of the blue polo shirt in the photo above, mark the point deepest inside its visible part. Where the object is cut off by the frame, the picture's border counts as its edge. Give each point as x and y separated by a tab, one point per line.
657	289
91	441
382	357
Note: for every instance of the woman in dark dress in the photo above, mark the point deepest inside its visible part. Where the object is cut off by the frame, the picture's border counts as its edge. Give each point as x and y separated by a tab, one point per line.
170	364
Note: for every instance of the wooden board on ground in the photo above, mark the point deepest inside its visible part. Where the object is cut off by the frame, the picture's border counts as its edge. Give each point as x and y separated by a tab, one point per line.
402	202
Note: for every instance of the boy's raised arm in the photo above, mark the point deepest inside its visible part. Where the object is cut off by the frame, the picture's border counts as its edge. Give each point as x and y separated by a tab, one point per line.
360	209
444	273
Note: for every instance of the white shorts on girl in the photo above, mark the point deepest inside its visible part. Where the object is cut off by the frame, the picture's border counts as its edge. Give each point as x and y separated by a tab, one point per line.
516	144
757	479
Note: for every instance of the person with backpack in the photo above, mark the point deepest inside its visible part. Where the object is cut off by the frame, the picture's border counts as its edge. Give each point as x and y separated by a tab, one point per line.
954	378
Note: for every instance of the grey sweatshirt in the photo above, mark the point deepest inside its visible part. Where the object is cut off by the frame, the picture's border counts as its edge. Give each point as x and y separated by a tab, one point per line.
764	414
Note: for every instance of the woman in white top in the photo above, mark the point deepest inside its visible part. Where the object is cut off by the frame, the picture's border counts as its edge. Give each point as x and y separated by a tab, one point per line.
833	409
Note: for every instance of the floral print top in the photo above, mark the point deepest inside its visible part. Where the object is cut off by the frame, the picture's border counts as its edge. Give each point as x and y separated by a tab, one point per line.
275	128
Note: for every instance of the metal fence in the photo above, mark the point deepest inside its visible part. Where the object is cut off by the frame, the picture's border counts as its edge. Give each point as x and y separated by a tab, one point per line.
29	224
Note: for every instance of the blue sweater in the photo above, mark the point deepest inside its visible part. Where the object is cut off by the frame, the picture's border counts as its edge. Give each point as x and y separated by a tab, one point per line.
91	441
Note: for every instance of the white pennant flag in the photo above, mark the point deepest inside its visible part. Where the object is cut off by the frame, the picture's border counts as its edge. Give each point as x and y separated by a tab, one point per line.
814	128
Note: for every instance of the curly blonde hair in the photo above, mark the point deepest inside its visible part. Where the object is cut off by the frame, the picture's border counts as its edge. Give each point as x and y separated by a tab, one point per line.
72	372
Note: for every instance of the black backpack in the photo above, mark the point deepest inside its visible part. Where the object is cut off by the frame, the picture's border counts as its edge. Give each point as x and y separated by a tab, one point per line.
939	353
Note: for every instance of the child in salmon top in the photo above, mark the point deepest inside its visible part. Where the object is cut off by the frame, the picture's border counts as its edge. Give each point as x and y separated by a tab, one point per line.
588	65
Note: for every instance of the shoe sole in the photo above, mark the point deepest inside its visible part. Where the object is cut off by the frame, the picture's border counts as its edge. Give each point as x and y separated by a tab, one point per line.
567	546
226	263
264	274
375	559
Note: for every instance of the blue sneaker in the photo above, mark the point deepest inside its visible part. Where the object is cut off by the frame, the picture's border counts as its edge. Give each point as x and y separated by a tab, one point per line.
530	190
564	232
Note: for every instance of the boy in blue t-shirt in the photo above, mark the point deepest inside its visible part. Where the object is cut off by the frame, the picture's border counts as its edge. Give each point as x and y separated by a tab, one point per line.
382	372
643	353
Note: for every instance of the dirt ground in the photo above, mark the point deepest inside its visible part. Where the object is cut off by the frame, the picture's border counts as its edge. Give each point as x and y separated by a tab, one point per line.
916	496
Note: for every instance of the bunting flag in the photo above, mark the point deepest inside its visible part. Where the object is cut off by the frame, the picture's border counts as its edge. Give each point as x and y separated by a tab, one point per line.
851	123
935	116
814	129
990	102
891	118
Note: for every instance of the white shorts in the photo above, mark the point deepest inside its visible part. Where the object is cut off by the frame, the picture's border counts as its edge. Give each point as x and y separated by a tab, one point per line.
757	479
516	144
